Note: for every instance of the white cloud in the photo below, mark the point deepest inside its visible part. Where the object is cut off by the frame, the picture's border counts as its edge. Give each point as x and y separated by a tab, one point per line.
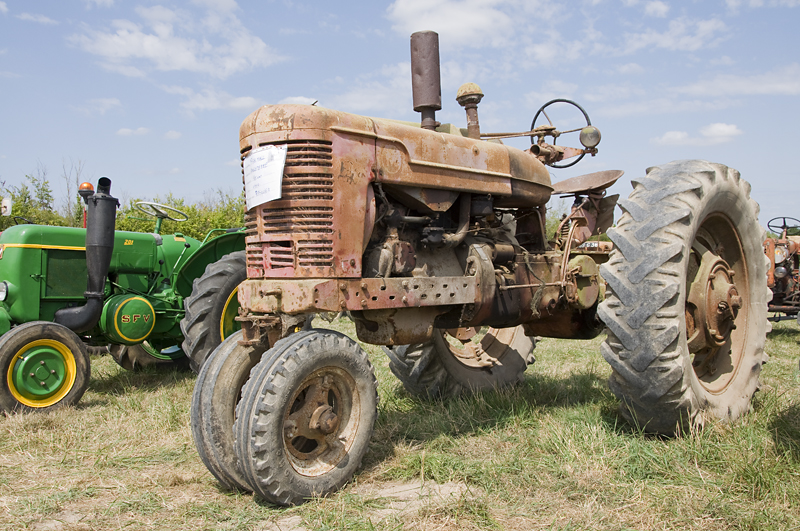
211	100
682	34
172	135
723	132
784	81
473	23
712	134
9	75
40	19
174	171
3	8
218	45
99	105
99	3
656	9
379	93
133	132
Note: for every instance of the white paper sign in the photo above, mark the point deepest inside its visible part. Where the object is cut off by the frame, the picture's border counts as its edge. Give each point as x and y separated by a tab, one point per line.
263	174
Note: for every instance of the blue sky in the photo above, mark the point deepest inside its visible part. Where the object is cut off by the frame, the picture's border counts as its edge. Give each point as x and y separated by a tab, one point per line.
152	93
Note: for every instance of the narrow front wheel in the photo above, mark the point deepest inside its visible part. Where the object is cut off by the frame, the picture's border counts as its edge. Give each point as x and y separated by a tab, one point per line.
305	418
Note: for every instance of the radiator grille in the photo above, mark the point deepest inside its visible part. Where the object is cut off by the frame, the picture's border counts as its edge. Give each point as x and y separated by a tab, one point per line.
298	227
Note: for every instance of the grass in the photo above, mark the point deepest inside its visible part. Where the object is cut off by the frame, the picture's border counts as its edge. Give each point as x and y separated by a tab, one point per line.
551	453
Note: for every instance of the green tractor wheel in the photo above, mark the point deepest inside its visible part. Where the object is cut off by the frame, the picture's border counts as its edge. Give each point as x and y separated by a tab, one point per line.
43	365
212	308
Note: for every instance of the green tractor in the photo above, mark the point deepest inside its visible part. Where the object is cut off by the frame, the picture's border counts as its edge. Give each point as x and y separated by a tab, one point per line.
65	290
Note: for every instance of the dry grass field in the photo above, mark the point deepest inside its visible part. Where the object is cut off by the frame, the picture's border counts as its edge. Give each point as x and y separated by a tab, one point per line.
551	453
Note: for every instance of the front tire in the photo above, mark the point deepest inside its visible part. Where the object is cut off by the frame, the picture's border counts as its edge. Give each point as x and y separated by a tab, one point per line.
306	417
446	366
686	311
212	308
43	366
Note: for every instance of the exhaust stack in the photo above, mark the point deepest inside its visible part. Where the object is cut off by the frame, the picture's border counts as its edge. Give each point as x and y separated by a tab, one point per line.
426	84
101	218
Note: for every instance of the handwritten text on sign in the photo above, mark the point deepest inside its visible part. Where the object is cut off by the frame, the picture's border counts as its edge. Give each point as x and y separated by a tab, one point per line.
263	174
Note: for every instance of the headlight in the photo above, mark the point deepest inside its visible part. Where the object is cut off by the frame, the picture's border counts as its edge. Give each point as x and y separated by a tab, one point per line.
781	272
3	291
781	254
590	136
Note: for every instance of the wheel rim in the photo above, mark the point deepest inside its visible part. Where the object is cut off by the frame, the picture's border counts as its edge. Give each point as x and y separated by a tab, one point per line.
717	303
321	421
470	346
170	353
42	373
227	323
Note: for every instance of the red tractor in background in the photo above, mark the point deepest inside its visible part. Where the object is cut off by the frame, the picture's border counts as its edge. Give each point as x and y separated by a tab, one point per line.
783	277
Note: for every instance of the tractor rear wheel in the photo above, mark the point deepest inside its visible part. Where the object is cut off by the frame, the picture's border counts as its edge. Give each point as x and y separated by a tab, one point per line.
43	365
212	308
135	357
454	361
306	416
686	311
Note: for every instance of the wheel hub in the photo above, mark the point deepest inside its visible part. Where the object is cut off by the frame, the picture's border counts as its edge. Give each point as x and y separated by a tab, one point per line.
39	373
313	418
713	302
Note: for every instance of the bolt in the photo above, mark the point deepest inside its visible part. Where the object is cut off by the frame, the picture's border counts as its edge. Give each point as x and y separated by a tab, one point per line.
32	375
41	363
42	383
343	286
52	371
405	299
363	303
343	305
405	284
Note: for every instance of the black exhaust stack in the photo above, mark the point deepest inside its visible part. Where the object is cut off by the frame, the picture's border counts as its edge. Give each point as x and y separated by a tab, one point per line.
101	214
425	79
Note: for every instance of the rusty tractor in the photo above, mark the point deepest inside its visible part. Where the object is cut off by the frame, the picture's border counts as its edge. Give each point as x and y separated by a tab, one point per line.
783	277
433	239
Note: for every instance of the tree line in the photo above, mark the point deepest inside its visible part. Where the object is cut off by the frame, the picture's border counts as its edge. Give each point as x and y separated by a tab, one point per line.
33	202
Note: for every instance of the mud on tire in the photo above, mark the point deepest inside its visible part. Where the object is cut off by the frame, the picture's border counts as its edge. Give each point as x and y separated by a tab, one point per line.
440	369
686	311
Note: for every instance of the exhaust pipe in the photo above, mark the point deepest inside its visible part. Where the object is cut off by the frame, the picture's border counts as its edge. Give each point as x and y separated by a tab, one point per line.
101	218
426	85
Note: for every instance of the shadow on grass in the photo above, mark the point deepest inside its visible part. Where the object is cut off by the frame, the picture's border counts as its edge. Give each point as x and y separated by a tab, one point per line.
118	381
410	420
785	430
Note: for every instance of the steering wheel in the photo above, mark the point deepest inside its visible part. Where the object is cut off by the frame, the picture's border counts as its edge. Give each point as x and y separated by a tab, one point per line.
160	211
787	224
18	219
542	112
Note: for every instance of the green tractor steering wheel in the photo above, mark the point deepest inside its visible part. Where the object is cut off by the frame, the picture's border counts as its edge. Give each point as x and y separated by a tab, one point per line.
160	212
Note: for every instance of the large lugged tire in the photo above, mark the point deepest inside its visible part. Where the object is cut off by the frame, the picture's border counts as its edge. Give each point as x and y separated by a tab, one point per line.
306	416
144	355
42	366
686	310
446	367
212	307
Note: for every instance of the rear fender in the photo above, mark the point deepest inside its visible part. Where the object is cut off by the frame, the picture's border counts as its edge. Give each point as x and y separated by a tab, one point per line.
208	253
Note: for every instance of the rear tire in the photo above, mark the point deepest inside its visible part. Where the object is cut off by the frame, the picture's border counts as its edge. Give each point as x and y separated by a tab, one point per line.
443	368
212	307
686	311
43	366
144	355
